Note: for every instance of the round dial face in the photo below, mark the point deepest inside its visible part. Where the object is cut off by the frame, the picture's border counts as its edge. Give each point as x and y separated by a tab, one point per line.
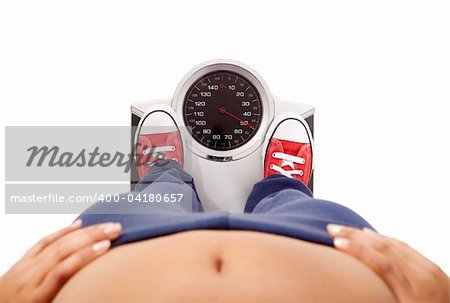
223	110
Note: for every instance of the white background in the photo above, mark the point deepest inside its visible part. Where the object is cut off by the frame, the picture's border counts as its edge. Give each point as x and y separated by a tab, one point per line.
378	73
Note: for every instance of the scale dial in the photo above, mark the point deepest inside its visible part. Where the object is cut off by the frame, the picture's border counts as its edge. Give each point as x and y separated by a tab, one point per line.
223	110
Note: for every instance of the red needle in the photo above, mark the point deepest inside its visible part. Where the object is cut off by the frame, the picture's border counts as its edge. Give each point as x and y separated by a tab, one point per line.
223	110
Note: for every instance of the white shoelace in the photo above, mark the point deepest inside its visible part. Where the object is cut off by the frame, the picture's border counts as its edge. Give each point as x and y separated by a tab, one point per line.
158	149
287	160
159	152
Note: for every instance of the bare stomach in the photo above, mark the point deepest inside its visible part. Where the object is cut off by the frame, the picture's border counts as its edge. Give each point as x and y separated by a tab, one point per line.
224	266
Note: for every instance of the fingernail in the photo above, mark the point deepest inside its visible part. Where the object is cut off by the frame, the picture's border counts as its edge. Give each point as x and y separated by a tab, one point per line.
113	228
76	223
101	246
368	230
334	229
341	242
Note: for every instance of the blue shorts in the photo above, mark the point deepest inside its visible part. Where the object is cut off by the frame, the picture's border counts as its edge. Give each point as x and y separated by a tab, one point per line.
277	205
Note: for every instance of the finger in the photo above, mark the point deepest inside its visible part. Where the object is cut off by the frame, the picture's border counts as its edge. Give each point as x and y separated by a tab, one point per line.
364	236
336	230
57	277
46	241
376	252
71	243
417	261
364	248
409	274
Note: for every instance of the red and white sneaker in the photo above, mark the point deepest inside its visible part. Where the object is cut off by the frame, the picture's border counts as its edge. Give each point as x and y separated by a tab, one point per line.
157	137
289	148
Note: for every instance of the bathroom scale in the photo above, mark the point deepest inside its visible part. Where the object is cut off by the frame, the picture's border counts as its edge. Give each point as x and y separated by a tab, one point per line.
225	108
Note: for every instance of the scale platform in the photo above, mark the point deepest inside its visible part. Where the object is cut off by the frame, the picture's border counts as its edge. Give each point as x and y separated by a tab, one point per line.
223	177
